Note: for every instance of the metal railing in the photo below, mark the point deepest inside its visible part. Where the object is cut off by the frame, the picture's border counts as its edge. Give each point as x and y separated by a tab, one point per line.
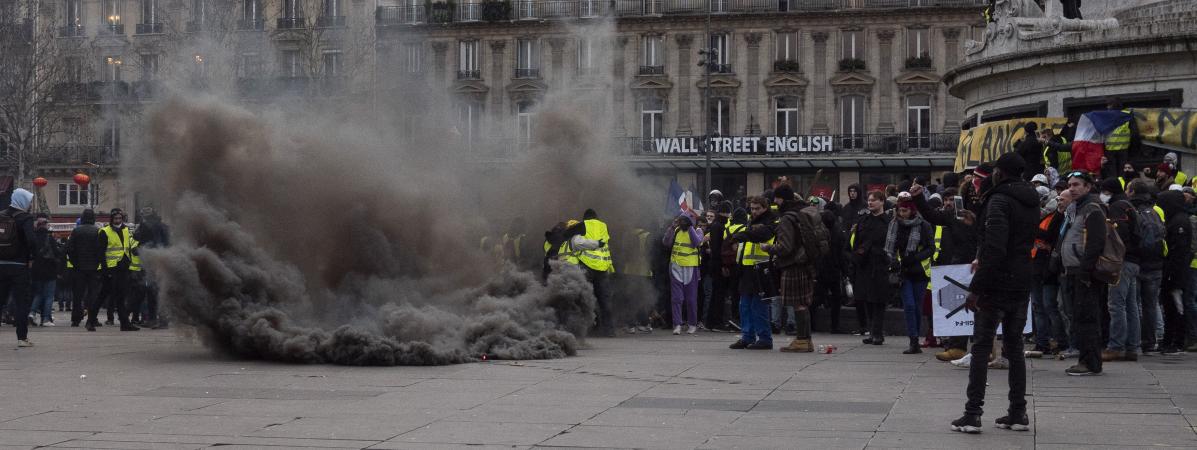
469	74
504	10
290	23
652	70
72	31
330	21
79	154
196	26
149	28
251	24
527	73
109	29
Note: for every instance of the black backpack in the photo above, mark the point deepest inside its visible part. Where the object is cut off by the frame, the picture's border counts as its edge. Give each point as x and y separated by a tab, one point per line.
10	236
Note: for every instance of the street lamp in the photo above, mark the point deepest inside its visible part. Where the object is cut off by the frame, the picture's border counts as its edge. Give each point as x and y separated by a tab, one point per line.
710	57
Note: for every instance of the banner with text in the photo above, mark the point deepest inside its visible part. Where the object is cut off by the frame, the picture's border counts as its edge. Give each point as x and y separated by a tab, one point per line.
745	144
1174	127
988	141
947	301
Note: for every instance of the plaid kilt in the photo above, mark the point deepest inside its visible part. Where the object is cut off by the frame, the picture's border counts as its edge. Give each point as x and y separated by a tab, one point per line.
797	286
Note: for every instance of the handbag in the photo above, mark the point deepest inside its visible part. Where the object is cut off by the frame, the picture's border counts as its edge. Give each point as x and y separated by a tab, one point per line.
766	273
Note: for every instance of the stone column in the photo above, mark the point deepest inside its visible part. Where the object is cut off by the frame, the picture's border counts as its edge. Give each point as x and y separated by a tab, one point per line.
439	48
683	85
557	46
885	81
754	73
496	87
820	110
951	39
620	86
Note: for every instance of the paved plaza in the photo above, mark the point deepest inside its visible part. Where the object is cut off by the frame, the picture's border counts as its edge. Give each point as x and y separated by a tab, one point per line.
154	389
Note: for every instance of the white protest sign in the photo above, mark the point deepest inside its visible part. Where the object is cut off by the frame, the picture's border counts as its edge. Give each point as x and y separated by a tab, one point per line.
947	302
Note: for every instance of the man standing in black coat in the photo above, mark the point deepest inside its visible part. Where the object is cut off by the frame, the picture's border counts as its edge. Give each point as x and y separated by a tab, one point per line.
1031	151
716	318
1000	290
17	250
85	254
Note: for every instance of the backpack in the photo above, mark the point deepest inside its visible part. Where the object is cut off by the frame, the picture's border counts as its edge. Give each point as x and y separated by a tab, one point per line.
1109	263
816	240
10	240
1150	231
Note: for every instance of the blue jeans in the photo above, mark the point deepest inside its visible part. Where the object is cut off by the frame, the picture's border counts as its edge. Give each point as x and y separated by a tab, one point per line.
912	297
1152	318
1124	311
43	299
754	320
1047	319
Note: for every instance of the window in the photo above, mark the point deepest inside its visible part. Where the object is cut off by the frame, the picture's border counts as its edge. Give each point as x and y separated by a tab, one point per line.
332	61
651	55
787	46
74	13
469	121
523	121
149	11
917	44
200	10
251	12
719	115
652	111
72	127
149	66
110	10
918	121
527	58
112	135
413	58
787	116
291	9
719	44
112	68
249	65
332	8
852	120
467	60
290	64
69	194
852	45
74	69
585	55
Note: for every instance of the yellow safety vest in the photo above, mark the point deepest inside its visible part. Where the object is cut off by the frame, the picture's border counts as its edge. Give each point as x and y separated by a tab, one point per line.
938	238
566	253
637	264
683	254
1120	139
515	242
598	259
732	229
134	259
1160	211
751	253
1063	159
118	248
1180	177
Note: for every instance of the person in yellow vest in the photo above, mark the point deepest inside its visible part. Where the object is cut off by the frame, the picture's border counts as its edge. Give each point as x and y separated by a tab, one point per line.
593	254
116	239
1178	176
1057	152
514	244
1118	142
755	331
636	276
909	244
85	257
137	283
683	240
797	267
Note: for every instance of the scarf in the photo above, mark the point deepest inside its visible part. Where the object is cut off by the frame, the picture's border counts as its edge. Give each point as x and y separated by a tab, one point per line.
912	243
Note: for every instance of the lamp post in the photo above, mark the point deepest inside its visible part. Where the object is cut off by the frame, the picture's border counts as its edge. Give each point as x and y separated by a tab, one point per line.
710	56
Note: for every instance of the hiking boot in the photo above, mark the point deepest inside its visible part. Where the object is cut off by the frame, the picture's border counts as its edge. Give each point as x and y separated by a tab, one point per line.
1021	423
1112	355
738	345
799	346
1080	370
760	346
950	354
967	424
1001	363
914	347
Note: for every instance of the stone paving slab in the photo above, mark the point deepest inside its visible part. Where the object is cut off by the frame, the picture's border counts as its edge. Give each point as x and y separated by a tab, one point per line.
154	389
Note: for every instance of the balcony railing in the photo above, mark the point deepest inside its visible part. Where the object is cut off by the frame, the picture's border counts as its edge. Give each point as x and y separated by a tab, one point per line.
196	26
652	70
721	69
504	10
527	73
290	23
786	66
469	74
110	29
920	63
330	22
79	154
72	31
149	28
251	24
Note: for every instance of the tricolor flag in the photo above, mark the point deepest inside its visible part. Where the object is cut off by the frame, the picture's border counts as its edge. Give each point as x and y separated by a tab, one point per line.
1091	131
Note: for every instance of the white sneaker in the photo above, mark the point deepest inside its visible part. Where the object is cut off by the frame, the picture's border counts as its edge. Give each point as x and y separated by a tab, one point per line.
631	330
691	330
24	343
677	330
1001	363
964	362
48	323
644	329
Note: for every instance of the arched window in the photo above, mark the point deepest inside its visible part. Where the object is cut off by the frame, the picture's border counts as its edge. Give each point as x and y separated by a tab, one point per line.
786	109
918	121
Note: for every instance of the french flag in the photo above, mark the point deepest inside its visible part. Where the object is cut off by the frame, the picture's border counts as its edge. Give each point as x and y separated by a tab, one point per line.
1089	144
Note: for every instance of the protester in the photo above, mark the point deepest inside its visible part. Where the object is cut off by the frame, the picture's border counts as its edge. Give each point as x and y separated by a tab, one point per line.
1000	289
683	239
871	284
18	245
1151	266
1045	288
594	254
1176	271
909	245
716	318
116	240
1083	243
45	270
85	252
1031	150
1123	302
797	265
829	278
755	333
957	246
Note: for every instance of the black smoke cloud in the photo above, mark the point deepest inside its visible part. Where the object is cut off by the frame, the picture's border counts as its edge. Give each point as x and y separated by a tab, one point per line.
301	247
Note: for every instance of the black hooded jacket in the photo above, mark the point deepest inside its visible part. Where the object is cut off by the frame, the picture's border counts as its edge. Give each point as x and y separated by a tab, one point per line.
1147	262
84	249
1176	264
850	213
1009	219
959	242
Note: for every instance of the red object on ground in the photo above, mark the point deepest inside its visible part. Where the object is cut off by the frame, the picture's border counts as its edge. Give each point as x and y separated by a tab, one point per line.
82	179
40	182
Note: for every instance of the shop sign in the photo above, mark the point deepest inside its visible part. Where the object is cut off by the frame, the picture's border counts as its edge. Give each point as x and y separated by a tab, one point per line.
746	144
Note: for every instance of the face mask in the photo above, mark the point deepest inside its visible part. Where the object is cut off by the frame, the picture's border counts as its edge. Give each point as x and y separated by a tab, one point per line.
1105	198
1129	174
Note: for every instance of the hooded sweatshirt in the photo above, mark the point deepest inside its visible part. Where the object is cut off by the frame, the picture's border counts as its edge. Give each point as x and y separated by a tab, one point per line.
1176	264
850	213
26	243
84	249
1009	218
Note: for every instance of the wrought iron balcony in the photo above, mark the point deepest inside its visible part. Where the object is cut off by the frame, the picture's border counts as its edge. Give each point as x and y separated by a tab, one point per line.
110	29
786	66
72	31
527	73
251	24
290	23
79	154
149	28
330	21
652	70
469	74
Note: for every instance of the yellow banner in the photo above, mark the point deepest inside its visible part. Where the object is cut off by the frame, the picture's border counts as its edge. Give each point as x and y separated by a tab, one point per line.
1174	127
987	141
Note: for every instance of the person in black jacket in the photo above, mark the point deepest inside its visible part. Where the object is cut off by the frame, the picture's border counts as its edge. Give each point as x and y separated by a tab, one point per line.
1031	151
45	269
871	284
715	318
957	246
1123	298
830	273
1176	270
1142	193
85	254
1082	245
909	245
851	210
1000	290
14	262
755	332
